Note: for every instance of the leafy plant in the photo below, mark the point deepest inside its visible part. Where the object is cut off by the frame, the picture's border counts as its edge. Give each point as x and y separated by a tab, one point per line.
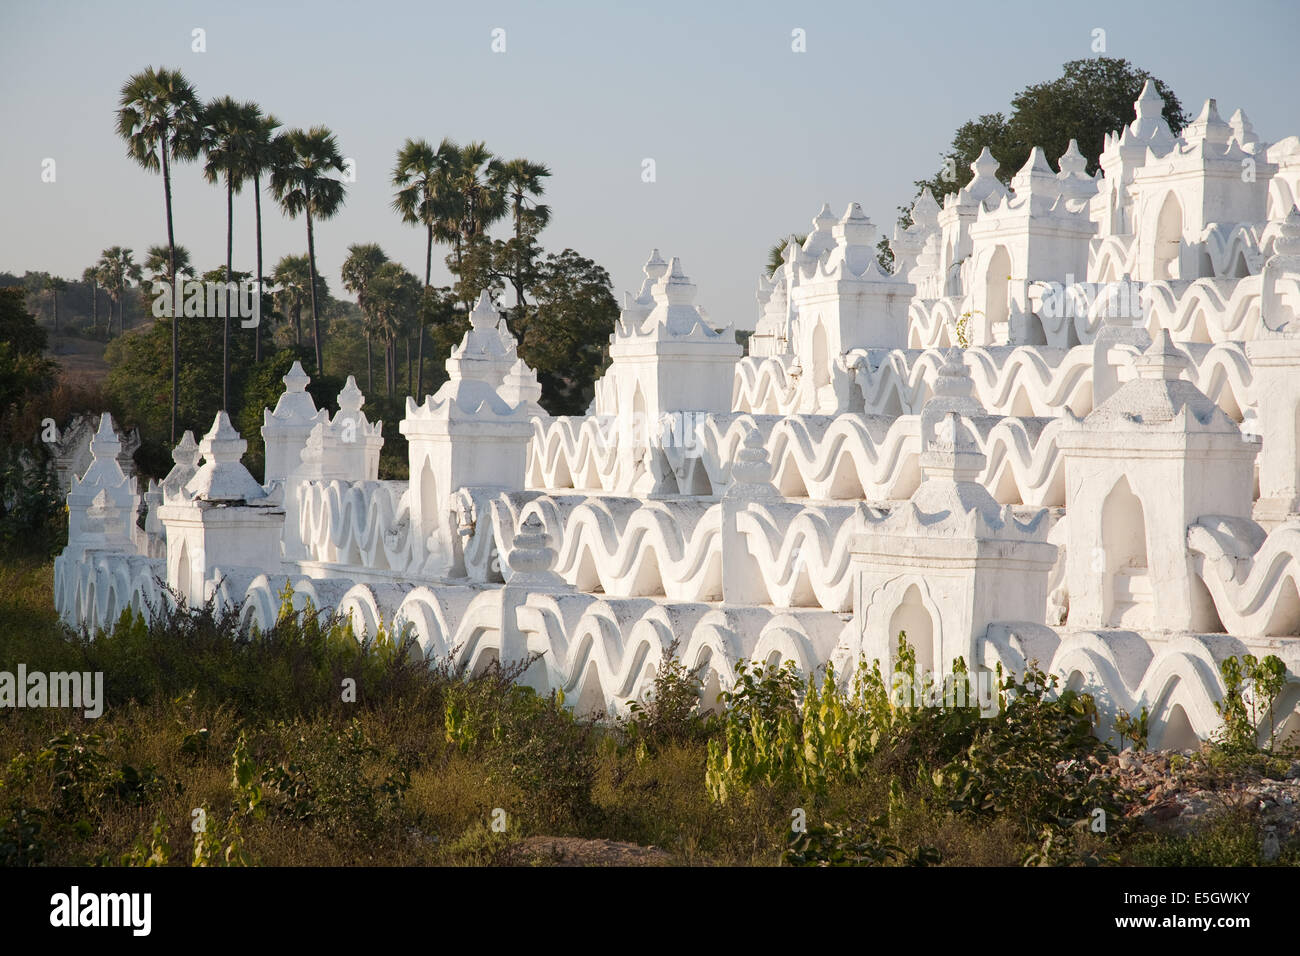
854	842
670	712
1036	760
1251	688
153	850
962	328
530	741
1136	729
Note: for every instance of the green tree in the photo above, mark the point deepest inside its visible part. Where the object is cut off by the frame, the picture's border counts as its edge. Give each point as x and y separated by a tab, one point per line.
301	181
158	264
117	270
476	204
230	129
28	498
55	285
364	259
18	327
520	182
1089	99
90	276
394	294
160	118
261	159
422	178
293	279
565	336
776	255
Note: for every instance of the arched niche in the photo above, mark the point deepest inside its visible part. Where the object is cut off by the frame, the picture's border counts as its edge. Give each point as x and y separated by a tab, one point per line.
1124	542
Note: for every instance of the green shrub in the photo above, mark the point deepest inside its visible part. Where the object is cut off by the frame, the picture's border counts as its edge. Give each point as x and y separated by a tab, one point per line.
530	741
33	518
670	714
1031	760
333	780
777	734
854	842
1136	729
1251	688
1229	839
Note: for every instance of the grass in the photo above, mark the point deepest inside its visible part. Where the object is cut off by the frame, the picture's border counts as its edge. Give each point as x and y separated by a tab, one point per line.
253	731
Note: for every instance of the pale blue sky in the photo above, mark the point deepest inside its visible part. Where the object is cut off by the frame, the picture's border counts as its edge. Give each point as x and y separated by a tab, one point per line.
749	138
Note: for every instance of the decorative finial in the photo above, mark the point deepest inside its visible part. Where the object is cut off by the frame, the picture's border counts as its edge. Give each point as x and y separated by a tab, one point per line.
105	444
296	380
675	287
752	466
222	444
985	164
351	399
531	550
186	453
1149	103
655	266
1072	162
484	317
1163	360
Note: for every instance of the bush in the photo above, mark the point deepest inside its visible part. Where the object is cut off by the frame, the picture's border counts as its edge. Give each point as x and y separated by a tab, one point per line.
670	713
855	842
333	779
1251	687
533	742
1037	760
33	518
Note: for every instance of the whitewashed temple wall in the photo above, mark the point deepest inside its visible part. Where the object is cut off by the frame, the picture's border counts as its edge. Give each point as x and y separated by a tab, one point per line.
1062	430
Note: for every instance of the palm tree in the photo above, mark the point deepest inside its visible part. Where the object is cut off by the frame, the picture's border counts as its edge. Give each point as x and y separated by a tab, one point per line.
394	294
228	134
300	181
56	285
117	270
160	118
424	197
292	275
364	258
481	204
261	158
776	255
520	181
158	260
90	276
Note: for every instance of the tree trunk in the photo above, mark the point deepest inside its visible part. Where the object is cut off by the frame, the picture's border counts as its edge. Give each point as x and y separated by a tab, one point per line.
519	266
257	329
56	312
410	382
419	362
225	330
171	270
94	305
311	263
370	380
459	267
